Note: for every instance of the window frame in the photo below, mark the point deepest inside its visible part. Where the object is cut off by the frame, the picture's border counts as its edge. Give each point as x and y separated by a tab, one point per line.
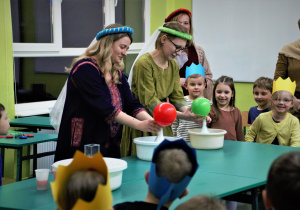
55	49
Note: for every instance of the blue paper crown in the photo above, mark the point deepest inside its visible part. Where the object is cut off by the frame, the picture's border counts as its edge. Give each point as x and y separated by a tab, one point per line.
109	31
194	69
160	186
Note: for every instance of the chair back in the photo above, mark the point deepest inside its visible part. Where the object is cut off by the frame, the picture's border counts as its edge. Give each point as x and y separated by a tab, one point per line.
245	121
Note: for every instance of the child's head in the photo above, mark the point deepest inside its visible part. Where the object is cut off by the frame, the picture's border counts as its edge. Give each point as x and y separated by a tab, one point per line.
283	183
173	165
195	84
262	91
282	101
83	184
224	92
4	120
201	202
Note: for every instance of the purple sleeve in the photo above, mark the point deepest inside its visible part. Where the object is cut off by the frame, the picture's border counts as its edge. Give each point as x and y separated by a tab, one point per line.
132	106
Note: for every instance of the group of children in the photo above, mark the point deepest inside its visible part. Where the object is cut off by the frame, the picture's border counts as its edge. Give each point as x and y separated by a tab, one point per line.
85	184
173	165
271	120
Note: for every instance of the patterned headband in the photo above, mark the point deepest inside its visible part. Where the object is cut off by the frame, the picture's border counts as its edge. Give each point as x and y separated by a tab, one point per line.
175	33
109	31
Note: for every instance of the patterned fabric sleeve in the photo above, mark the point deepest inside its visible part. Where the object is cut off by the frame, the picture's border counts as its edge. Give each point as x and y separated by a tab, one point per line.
132	106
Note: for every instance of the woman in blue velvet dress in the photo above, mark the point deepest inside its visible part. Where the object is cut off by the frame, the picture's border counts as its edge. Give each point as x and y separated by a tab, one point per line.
98	99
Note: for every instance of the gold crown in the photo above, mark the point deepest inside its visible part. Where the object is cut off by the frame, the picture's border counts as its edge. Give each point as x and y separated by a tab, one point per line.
286	85
103	197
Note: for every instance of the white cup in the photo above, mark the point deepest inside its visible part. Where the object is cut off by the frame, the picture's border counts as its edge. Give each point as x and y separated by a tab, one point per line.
91	149
42	178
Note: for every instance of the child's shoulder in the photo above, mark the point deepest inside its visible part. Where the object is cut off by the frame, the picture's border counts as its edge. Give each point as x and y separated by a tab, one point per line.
292	117
253	109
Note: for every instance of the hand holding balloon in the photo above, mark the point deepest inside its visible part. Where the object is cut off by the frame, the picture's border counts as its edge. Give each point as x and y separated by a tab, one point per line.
201	106
164	114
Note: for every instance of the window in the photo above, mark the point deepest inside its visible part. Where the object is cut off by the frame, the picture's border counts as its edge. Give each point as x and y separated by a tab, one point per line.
48	34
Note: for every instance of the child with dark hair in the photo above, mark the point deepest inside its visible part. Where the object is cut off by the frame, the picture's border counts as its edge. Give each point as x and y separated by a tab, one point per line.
224	115
262	92
283	183
4	127
173	165
277	126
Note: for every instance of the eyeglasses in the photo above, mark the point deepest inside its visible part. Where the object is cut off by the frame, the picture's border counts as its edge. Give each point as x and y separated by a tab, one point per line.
177	47
283	100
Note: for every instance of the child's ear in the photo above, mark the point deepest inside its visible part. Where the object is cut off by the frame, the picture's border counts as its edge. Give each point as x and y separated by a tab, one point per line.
266	200
185	85
147	176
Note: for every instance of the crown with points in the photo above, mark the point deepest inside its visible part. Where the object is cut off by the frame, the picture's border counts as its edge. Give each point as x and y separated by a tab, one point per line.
103	196
286	85
194	69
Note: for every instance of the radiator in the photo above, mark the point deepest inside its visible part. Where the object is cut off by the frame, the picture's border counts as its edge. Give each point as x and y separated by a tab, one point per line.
46	162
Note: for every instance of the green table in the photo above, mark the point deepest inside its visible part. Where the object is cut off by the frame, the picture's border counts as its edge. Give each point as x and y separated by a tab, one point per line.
34	122
237	167
17	143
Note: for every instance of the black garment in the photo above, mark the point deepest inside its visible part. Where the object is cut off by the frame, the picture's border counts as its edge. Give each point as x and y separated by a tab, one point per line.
88	116
137	205
275	141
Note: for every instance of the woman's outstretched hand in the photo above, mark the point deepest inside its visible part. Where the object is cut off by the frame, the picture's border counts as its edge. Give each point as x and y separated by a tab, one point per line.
149	126
187	114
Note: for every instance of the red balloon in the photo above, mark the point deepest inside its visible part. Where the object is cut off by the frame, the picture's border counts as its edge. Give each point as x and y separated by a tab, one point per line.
164	114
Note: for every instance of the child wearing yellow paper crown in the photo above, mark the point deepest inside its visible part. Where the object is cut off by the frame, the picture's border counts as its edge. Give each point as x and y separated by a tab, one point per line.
278	126
84	184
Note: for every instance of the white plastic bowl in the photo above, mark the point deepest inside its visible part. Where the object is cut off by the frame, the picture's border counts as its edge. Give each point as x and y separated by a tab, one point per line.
145	146
212	140
115	168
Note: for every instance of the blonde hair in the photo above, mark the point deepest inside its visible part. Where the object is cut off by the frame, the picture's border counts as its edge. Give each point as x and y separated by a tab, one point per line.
277	94
101	51
194	76
174	164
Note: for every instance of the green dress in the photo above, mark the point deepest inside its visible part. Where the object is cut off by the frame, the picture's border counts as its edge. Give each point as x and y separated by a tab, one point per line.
152	85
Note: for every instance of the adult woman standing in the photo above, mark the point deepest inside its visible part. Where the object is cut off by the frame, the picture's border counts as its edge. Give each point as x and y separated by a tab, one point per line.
193	53
288	64
155	79
97	94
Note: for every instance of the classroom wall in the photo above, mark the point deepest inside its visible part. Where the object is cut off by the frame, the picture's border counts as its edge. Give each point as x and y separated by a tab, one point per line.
160	9
6	76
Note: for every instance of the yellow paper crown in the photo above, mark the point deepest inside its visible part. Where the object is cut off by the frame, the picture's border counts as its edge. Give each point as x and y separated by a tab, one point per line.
286	85
103	197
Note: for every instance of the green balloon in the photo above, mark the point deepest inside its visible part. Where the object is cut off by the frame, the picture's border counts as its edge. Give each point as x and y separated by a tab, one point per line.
201	106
